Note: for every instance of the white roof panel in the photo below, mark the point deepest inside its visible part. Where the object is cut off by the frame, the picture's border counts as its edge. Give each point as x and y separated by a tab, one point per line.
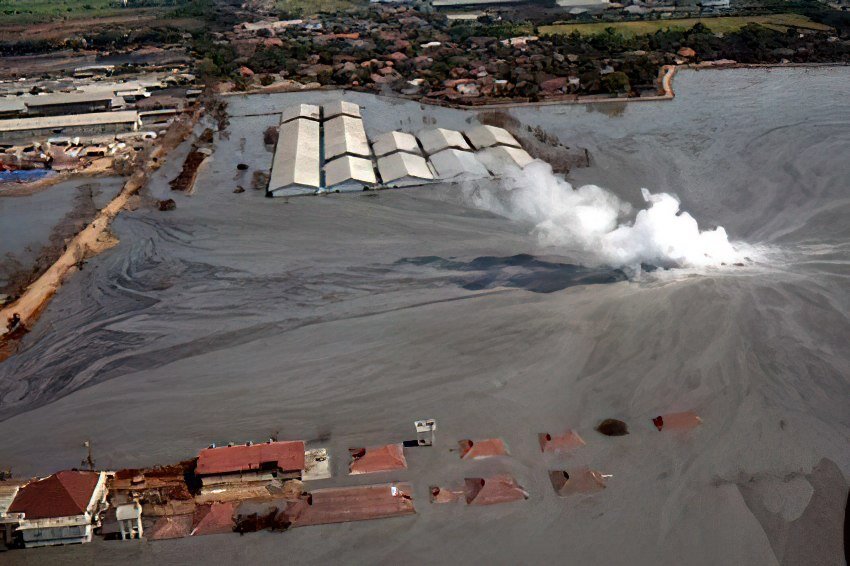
295	168
498	158
451	163
290	113
488	136
395	141
349	170
401	166
340	108
345	134
434	140
92	119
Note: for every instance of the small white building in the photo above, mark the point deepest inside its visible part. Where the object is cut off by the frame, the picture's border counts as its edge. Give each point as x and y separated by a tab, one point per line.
129	518
434	140
60	509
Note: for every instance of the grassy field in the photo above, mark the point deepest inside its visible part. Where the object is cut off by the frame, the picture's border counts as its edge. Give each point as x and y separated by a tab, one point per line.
39	11
779	22
310	7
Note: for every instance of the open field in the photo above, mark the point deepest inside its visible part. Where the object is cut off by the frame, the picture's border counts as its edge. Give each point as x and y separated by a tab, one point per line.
779	22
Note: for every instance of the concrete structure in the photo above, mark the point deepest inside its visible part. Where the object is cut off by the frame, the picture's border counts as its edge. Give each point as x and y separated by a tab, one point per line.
349	173
488	136
30	129
129	518
8	521
295	167
453	164
434	140
341	108
345	135
391	142
60	509
500	158
309	111
401	168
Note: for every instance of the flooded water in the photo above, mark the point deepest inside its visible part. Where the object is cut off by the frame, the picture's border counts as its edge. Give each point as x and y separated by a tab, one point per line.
235	317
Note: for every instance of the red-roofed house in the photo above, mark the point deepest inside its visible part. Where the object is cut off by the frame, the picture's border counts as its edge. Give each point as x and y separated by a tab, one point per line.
60	509
251	463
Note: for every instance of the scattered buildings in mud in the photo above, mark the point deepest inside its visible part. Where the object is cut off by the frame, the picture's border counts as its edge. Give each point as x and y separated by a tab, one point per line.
252	487
326	149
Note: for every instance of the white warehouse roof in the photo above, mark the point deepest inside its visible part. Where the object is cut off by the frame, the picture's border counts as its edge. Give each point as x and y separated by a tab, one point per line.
395	141
341	108
295	168
438	139
310	111
451	163
345	134
402	168
92	119
497	159
488	136
350	170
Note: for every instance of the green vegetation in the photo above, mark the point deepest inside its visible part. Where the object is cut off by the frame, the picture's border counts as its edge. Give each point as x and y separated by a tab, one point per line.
39	11
301	8
776	22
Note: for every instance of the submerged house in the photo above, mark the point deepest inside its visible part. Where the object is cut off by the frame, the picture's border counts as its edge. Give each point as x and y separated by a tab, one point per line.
250	463
60	509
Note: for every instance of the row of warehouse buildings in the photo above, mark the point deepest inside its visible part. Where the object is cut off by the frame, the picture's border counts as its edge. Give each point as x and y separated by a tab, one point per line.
325	148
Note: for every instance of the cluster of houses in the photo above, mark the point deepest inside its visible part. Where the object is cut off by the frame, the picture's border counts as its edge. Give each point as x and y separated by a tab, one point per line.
420	55
325	148
251	487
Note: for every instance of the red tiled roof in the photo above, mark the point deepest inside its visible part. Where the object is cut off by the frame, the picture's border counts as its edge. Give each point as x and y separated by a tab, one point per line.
493	490
64	494
214	519
344	504
377	459
177	526
287	456
477	449
562	443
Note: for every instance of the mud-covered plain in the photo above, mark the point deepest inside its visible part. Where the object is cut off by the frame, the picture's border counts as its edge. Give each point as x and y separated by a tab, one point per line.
341	319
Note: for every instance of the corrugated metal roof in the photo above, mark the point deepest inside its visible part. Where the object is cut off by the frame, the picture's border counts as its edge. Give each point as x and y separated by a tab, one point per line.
91	119
434	140
451	163
296	157
310	111
488	136
345	134
499	158
347	169
395	141
68	98
400	165
287	456
341	107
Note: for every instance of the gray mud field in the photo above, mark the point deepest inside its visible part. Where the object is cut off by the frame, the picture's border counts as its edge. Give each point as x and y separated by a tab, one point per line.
340	319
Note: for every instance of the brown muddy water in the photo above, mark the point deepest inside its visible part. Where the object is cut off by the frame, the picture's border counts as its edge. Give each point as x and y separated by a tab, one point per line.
345	317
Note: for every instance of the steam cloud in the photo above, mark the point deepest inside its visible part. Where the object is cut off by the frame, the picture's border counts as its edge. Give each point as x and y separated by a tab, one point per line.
590	222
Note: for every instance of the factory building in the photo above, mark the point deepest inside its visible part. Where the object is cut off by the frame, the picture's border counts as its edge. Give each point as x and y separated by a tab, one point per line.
72	103
489	136
98	123
295	167
341	108
308	111
345	135
454	163
349	173
391	142
434	140
403	169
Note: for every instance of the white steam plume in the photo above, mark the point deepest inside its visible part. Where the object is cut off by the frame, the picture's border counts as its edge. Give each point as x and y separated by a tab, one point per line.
590	222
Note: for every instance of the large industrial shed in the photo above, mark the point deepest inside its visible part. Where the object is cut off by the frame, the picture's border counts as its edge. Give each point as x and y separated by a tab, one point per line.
97	123
489	136
498	159
403	169
434	140
454	163
349	173
295	168
308	111
391	142
345	135
341	108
